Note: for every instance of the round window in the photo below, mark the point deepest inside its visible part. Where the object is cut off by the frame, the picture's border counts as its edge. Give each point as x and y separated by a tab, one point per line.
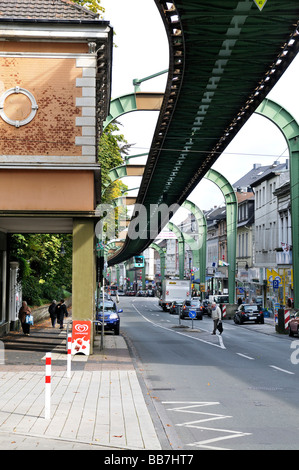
17	106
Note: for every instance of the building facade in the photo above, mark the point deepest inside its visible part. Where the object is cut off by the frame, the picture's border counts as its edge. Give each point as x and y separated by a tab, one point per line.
55	65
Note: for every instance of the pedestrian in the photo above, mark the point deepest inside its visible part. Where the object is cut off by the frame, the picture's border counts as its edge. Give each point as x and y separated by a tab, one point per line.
23	312
216	316
52	312
61	312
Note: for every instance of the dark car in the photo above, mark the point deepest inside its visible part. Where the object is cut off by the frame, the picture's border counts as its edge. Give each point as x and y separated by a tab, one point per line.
193	305
111	317
248	312
294	324
176	306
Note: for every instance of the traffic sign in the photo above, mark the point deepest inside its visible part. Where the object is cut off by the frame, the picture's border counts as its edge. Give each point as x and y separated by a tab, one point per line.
192	313
276	284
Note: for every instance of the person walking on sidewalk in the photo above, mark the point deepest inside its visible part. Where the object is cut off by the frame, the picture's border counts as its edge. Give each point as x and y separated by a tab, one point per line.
216	316
23	312
61	312
52	312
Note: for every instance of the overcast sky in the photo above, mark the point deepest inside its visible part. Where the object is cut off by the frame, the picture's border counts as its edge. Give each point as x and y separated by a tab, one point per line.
142	50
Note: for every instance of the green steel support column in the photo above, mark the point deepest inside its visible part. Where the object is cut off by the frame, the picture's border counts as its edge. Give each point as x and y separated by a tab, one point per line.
193	244
162	254
181	243
143	277
231	227
117	274
290	129
202	238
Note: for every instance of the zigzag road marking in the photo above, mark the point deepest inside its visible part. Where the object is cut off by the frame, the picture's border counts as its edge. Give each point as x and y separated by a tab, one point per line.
190	407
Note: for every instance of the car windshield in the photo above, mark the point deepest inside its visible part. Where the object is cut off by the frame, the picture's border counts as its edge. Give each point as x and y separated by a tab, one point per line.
195	303
221	299
250	308
107	306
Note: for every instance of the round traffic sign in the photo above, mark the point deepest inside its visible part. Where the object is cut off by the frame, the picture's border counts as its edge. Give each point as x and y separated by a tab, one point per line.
192	313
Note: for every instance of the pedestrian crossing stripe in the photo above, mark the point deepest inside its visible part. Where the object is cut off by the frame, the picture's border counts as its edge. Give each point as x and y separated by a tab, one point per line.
260	4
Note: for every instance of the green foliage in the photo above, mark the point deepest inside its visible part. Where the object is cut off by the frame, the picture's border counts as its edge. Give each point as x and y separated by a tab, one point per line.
92	5
112	146
44	272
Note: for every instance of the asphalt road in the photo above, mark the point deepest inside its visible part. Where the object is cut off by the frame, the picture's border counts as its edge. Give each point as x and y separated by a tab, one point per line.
236	391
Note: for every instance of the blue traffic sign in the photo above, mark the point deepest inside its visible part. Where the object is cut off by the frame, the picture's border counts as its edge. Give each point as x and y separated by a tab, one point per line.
192	313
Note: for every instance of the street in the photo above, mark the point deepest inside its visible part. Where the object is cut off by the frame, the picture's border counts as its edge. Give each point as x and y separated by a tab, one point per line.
234	391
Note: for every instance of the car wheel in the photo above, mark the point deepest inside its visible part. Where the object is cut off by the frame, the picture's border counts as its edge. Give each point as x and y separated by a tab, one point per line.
116	330
235	320
291	333
199	317
262	321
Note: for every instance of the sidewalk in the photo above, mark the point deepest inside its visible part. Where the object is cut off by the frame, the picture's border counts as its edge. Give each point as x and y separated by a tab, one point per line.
101	406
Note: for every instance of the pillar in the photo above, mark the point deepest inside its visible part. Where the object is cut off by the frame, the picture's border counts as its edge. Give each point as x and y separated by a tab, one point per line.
84	272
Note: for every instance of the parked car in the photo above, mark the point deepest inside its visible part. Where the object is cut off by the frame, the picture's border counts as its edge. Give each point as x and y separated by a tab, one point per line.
193	304
206	307
294	324
173	309
248	312
109	304
130	293
111	317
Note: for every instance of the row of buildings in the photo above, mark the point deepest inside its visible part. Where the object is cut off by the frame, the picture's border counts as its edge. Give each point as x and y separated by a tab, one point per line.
264	242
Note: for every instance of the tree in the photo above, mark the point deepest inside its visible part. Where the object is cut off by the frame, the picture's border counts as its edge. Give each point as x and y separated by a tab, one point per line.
111	148
92	5
45	274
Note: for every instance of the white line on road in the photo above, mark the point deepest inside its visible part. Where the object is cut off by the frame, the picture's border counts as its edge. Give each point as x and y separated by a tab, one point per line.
220	345
247	357
282	370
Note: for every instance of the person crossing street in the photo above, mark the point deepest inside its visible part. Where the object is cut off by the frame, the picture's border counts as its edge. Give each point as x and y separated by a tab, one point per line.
216	316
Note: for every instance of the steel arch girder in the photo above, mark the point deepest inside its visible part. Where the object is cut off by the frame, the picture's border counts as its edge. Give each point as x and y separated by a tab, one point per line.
181	241
162	258
231	226
202	237
289	127
136	101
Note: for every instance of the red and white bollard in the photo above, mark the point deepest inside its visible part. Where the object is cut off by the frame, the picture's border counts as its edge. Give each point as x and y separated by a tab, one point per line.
48	386
286	319
69	354
223	311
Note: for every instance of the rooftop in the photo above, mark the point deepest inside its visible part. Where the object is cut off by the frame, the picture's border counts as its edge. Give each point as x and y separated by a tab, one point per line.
257	173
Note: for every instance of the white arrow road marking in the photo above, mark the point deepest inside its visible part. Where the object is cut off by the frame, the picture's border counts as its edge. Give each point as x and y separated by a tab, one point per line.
191	407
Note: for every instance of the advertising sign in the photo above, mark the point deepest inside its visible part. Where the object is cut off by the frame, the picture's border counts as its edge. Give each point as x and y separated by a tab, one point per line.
81	337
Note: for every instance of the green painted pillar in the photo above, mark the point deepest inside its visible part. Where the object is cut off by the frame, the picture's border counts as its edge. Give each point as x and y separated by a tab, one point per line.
290	129
202	241
181	243
162	254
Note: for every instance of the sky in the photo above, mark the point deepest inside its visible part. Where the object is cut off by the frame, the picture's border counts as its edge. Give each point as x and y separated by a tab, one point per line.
142	50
